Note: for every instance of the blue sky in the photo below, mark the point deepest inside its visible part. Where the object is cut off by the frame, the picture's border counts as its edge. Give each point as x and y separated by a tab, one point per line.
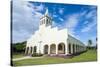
80	20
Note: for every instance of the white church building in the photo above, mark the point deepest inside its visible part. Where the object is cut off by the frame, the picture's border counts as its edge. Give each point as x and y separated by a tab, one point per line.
51	41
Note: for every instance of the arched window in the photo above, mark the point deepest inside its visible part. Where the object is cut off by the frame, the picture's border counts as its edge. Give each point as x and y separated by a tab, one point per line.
31	50
43	21
46	49
73	48
46	21
35	48
53	49
61	48
69	48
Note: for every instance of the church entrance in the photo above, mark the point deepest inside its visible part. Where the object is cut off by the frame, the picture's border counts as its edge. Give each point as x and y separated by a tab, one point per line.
35	48
61	48
69	48
52	49
46	49
31	50
73	48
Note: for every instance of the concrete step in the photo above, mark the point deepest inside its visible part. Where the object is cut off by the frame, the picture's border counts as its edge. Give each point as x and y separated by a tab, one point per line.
60	55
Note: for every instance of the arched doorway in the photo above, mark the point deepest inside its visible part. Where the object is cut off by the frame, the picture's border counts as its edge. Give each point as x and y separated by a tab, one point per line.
35	48
52	49
76	48
73	48
69	48
27	49
30	50
46	49
61	48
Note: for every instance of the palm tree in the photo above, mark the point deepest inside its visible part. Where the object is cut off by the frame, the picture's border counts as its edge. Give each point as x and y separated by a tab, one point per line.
96	42
89	43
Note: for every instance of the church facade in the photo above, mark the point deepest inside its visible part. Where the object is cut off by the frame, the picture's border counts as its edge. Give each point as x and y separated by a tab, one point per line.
48	40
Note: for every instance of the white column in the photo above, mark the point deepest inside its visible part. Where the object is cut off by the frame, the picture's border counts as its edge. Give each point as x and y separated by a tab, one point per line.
75	47
48	49
78	48
44	20
71	48
41	50
32	50
82	48
29	51
66	48
38	48
26	50
56	49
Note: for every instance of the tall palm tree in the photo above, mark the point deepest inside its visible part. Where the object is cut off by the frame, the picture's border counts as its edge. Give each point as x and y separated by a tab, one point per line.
89	42
96	42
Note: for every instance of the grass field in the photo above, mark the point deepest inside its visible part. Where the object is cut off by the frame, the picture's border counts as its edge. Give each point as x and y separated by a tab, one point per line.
17	56
90	55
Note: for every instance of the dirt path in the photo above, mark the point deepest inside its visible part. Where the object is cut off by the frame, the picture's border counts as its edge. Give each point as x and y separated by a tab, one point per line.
27	57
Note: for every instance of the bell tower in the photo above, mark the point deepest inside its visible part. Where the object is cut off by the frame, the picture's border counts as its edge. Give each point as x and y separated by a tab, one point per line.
45	20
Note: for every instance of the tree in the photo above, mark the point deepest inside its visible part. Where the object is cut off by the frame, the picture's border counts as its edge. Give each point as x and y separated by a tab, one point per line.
18	47
96	42
89	42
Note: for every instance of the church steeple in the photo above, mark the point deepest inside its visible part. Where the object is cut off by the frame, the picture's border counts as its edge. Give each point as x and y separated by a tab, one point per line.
46	19
46	13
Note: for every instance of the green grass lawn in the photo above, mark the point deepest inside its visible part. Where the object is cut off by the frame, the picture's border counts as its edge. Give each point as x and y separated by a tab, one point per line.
90	55
17	56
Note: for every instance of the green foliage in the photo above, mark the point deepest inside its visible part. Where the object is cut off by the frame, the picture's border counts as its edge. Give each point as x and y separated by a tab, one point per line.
89	42
36	54
18	47
91	47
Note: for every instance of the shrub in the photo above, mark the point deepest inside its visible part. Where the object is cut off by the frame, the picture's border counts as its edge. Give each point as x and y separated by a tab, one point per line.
37	54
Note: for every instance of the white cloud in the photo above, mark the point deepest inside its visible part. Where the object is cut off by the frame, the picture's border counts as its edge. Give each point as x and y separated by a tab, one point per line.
91	14
54	24
18	37
61	10
90	24
61	19
86	22
88	27
54	15
72	22
25	20
39	8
